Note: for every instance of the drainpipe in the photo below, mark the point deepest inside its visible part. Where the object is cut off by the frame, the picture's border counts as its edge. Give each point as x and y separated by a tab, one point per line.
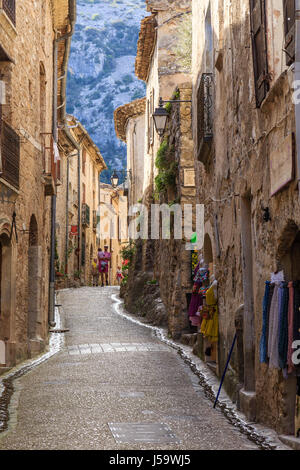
297	80
67	215
66	37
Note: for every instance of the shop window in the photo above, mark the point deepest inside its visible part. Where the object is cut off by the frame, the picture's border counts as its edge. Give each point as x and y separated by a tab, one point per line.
289	30
259	49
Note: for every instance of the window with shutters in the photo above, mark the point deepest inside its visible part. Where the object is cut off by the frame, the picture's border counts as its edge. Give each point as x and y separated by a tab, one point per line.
151	117
289	30
259	48
205	112
10	154
148	125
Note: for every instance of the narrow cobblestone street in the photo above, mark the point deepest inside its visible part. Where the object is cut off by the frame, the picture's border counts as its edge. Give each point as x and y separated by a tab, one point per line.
112	373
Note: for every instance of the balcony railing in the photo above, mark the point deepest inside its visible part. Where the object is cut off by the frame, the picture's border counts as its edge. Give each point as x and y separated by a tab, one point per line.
9	6
205	105
10	155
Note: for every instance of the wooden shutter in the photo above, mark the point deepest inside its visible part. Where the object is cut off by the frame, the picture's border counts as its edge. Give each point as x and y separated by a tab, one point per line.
10	155
289	30
148	125
259	47
151	118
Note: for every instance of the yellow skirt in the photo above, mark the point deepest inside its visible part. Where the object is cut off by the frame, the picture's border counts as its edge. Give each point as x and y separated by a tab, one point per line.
210	328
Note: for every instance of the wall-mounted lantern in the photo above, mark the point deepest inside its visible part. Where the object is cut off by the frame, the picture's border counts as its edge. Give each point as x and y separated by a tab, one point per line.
161	115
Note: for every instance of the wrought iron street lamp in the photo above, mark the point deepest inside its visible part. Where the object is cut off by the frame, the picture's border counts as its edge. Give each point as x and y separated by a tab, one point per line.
115	178
161	115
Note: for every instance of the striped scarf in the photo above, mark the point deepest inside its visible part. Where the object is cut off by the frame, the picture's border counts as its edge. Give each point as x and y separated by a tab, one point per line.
283	325
296	323
290	328
264	335
273	337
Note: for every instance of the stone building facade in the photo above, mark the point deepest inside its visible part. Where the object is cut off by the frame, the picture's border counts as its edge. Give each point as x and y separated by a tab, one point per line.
113	225
78	200
130	128
29	167
245	161
161	273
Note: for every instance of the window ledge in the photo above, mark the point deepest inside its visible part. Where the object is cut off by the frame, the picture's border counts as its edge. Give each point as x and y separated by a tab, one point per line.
10	192
7	24
276	88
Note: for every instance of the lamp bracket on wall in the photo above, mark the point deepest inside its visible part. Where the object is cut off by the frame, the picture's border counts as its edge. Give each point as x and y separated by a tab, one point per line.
161	115
13	227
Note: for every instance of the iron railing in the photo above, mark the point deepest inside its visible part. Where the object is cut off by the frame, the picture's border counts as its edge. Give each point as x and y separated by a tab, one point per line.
205	107
10	155
9	6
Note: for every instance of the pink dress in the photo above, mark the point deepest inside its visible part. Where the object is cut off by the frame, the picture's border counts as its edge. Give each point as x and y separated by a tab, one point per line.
103	263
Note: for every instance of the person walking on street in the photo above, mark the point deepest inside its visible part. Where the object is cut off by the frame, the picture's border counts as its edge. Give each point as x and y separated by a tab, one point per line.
119	275
95	273
104	258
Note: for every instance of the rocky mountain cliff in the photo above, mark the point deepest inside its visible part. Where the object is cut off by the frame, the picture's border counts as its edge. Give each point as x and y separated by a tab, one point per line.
101	70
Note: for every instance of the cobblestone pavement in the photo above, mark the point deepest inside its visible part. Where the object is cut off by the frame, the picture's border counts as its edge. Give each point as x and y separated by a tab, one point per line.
113	385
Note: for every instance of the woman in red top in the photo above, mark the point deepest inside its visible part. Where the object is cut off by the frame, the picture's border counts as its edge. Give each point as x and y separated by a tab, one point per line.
104	258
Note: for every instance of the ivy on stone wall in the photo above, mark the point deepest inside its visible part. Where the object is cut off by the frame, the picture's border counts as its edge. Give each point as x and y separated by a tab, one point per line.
167	168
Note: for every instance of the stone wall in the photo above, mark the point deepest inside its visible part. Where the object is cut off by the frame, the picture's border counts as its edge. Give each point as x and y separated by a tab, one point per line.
166	261
30	46
234	184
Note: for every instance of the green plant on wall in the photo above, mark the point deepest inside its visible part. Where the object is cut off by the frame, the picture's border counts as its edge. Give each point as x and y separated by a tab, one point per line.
70	250
167	169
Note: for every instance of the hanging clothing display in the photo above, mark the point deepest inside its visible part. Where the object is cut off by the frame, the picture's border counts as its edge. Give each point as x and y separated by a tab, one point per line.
209	325
281	324
265	328
200	276
296	322
273	338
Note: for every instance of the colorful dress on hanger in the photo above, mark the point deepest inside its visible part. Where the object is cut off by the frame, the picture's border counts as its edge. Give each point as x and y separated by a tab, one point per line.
200	276
210	323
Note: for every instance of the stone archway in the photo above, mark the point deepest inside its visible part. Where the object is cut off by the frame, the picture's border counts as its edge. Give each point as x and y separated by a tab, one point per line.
34	322
5	296
207	250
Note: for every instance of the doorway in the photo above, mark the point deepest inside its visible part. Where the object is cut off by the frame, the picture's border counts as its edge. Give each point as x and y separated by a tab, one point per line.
5	295
289	261
33	280
248	321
